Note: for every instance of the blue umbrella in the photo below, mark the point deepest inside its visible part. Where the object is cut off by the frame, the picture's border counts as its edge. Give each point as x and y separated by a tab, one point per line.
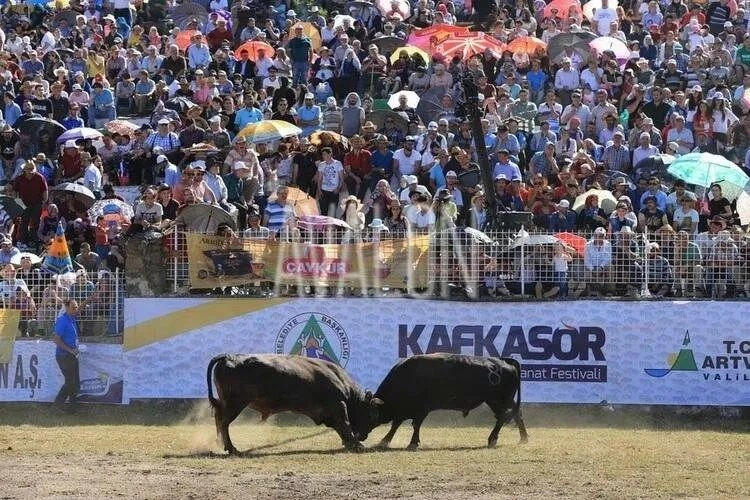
80	133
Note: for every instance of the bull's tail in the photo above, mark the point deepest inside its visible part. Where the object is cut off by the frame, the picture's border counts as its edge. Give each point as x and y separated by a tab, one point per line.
516	412
209	379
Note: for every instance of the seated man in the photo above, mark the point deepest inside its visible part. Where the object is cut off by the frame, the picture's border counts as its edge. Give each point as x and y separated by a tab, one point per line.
144	90
597	258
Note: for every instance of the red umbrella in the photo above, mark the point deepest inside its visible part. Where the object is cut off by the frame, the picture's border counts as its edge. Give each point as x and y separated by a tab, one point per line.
252	49
526	45
184	38
424	38
466	47
578	243
564	8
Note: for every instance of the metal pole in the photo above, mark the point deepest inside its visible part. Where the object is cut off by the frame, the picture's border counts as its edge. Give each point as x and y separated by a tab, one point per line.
647	248
174	261
117	301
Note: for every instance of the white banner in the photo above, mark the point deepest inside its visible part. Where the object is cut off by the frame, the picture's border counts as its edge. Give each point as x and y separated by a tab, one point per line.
570	352
33	374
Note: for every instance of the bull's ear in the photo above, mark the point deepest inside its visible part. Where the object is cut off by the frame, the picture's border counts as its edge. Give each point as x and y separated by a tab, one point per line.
375	404
368	396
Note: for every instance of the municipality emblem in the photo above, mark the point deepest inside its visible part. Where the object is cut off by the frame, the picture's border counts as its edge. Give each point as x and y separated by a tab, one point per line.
314	335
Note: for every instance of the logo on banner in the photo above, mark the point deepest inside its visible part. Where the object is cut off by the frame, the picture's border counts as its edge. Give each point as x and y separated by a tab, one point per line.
314	335
547	354
683	362
315	264
731	365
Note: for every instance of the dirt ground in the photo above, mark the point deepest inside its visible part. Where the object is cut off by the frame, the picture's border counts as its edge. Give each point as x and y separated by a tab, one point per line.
149	453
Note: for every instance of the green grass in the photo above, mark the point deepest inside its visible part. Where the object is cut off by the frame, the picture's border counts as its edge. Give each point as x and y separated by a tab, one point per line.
112	451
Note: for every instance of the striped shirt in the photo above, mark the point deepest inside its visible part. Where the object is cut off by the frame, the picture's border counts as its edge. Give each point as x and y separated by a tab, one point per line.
278	215
616	159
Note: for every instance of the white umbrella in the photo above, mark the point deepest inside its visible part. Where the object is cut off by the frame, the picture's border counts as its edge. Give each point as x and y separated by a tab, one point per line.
34	258
743	208
412	99
607	201
590	8
341	18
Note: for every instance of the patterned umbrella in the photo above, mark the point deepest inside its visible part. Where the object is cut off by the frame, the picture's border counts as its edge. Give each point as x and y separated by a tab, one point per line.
705	169
58	259
80	133
252	48
269	131
186	12
467	47
112	210
122	127
424	38
526	45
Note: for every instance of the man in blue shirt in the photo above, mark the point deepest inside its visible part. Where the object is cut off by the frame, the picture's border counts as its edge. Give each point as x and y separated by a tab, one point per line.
12	109
66	339
103	109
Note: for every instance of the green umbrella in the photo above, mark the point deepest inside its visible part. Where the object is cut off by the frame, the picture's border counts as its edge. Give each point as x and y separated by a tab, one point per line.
705	169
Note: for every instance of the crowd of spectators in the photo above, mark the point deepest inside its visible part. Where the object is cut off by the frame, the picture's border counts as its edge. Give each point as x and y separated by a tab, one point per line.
555	124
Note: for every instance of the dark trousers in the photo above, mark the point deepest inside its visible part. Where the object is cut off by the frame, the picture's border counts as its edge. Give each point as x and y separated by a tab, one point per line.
328	203
241	215
69	367
30	223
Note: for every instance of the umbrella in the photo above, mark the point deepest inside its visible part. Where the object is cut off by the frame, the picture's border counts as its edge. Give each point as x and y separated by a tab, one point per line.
316	138
311	32
38	126
225	15
182	14
424	38
412	99
112	210
184	38
269	131
58	259
34	258
252	49
341	19
80	192
65	15
743	208
564	8
303	203
411	51
379	117
180	104
579	40
430	106
204	218
478	236
387	44
526	45
605	43
394	8
607	201
14	207
593	5
78	134
705	169
577	243
653	165
467	46
524	239
122	127
321	222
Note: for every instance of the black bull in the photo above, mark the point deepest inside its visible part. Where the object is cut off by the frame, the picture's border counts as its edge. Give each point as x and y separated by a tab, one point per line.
420	384
272	384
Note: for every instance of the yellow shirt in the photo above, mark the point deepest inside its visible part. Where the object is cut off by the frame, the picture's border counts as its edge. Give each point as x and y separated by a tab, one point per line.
95	65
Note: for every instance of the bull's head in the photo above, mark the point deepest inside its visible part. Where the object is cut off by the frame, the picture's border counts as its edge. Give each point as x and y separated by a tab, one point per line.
367	416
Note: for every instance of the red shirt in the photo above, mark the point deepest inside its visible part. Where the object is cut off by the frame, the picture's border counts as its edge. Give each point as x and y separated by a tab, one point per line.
32	190
359	163
71	165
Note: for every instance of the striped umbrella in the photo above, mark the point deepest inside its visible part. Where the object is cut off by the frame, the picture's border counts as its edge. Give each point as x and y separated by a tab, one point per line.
269	131
467	47
425	37
58	259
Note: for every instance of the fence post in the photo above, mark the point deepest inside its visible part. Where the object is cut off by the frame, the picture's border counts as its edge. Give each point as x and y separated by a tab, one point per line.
647	248
117	301
174	261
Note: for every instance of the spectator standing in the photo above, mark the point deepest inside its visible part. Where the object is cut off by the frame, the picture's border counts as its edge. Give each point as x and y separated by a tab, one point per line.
31	187
66	353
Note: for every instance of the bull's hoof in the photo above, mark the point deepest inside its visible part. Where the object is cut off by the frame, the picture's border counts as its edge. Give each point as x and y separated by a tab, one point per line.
232	451
524	440
356	447
383	445
492	443
412	447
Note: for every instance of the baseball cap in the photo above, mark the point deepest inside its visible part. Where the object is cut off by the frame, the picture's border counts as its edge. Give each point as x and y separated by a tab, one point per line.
564	204
432	126
451	173
239	165
411	179
600	230
163	121
161	159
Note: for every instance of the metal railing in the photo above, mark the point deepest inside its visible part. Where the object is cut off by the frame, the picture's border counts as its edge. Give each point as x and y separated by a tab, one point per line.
100	297
468	264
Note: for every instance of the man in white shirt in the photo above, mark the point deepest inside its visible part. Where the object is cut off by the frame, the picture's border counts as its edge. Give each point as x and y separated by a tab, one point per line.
681	135
644	149
567	78
407	161
421	218
592	75
602	18
330	179
92	176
